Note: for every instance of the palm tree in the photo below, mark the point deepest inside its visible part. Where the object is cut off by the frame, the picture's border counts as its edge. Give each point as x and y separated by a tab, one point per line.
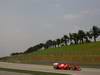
49	43
62	40
81	34
95	32
58	41
41	45
46	46
70	38
65	39
54	43
88	36
34	48
75	37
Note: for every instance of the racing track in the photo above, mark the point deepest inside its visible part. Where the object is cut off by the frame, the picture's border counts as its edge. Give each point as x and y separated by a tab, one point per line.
12	73
44	68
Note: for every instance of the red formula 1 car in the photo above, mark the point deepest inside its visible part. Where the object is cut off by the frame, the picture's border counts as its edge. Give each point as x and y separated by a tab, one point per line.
62	66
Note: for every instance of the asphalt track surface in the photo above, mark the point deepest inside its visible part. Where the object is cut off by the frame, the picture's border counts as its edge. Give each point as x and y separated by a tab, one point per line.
44	68
12	73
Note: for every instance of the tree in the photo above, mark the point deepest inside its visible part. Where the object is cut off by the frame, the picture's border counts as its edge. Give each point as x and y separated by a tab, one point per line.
54	43
70	38
34	48
48	44
81	35
65	39
17	53
75	37
95	32
88	36
58	41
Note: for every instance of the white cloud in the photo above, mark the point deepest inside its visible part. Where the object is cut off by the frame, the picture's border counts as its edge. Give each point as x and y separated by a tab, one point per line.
81	14
71	16
89	12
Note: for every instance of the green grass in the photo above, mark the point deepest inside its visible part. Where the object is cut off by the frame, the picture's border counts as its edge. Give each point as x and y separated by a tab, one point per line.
30	72
83	49
88	53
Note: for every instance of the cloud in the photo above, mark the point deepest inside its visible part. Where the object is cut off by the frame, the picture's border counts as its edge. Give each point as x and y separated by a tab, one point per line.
81	14
90	12
71	16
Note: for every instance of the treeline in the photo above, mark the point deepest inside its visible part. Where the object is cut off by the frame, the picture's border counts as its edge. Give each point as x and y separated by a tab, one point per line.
71	39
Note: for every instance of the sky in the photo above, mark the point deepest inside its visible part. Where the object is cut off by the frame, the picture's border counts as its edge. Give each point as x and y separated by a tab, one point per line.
25	23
